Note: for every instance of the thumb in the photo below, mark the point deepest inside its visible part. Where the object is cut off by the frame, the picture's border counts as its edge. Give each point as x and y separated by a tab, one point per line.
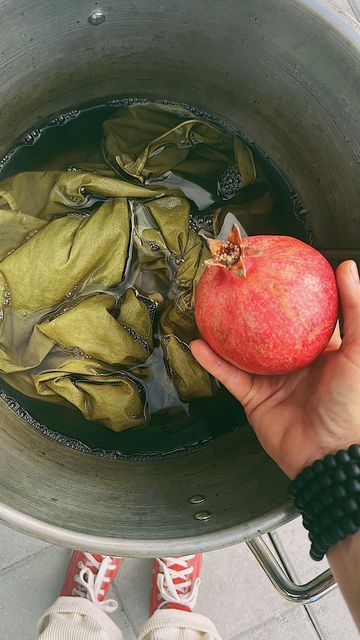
347	278
236	381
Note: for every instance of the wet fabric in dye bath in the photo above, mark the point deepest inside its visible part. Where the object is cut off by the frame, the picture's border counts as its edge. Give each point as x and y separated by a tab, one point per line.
99	264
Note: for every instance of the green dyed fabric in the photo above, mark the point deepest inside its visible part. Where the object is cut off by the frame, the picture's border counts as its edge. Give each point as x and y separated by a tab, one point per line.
147	141
70	331
74	329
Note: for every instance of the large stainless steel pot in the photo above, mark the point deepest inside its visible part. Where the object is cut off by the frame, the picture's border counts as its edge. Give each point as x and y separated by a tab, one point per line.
287	73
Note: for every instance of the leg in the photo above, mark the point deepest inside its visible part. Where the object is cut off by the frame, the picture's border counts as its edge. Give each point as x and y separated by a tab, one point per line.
80	613
168	624
77	619
174	592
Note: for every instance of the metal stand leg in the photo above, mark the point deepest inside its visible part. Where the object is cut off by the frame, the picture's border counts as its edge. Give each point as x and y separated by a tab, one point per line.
301	593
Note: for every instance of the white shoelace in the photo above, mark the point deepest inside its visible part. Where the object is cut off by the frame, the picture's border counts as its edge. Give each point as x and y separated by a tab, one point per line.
186	591
91	584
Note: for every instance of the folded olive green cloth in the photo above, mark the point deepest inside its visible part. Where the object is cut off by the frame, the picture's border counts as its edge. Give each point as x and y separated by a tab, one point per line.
44	194
73	329
147	141
99	264
179	254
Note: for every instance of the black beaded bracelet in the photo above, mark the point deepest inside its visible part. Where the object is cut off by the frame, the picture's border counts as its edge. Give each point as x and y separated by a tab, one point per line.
327	494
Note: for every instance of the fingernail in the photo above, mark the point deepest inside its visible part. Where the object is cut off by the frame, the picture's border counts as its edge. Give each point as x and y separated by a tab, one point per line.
354	271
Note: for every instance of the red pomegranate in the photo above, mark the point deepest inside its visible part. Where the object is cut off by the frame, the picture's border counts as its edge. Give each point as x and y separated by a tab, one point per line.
267	304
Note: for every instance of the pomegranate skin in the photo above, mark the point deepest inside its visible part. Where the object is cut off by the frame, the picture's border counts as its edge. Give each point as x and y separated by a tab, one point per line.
276	319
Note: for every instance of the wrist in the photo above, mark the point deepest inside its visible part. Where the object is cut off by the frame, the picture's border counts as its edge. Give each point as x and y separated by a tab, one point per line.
321	451
327	494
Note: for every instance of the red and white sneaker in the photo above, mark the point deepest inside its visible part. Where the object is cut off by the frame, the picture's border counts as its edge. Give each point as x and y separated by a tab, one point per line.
175	583
90	576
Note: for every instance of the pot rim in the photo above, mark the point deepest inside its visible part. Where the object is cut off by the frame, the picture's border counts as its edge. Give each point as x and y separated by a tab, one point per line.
347	26
142	547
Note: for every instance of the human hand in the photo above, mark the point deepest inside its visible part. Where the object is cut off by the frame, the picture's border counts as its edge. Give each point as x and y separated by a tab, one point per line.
304	415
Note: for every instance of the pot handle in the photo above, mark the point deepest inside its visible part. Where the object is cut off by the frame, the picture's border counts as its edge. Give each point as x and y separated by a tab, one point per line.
312	591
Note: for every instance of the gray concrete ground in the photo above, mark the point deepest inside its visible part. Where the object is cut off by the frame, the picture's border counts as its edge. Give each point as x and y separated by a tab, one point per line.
235	593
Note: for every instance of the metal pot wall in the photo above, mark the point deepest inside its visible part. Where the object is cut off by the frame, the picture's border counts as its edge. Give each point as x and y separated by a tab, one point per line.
285	72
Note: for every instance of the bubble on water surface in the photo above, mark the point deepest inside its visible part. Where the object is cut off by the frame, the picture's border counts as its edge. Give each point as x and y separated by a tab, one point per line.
230	183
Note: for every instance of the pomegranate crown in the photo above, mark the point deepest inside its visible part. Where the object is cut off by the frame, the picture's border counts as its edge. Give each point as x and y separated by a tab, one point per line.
230	254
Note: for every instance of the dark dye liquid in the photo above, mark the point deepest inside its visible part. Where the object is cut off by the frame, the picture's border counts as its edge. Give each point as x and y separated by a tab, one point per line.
175	427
